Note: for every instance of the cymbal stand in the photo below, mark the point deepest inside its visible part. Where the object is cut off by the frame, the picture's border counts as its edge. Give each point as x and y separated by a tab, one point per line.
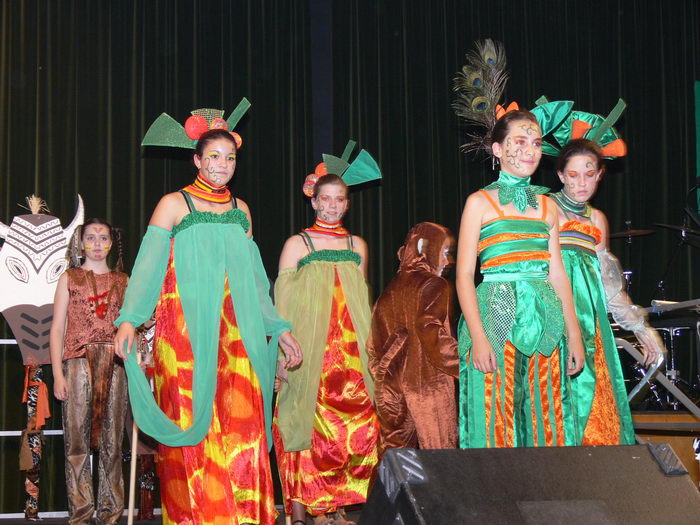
628	255
672	372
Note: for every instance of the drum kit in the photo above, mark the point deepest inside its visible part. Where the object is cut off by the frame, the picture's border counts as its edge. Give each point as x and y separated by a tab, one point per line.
672	320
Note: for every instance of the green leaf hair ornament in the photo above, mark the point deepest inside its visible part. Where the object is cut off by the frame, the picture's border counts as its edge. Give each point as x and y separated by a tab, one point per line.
363	169
579	124
166	131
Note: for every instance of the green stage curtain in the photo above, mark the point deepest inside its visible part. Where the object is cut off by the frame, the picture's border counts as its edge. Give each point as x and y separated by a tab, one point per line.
393	67
80	82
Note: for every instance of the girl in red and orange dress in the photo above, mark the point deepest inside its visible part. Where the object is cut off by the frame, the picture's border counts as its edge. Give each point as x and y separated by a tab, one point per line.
326	431
213	365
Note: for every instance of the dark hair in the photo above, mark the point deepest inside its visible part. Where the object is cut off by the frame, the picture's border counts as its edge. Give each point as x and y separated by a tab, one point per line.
500	130
579	147
330	178
213	134
115	235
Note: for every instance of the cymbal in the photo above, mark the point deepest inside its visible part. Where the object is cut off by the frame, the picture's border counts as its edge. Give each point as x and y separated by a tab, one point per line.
682	229
630	233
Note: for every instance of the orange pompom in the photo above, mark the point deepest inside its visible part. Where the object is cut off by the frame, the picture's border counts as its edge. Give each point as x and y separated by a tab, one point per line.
310	183
195	126
218	123
321	169
237	138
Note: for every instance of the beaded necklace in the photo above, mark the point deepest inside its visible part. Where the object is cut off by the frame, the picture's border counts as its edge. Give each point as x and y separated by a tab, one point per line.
335	229
205	190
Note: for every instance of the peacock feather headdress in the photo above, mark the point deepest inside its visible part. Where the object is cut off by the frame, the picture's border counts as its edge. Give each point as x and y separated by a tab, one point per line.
479	86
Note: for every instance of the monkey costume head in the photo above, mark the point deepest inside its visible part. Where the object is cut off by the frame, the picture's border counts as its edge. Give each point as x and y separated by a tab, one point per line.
428	247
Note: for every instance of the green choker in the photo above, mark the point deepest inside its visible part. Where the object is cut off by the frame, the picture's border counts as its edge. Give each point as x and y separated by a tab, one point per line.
566	203
517	190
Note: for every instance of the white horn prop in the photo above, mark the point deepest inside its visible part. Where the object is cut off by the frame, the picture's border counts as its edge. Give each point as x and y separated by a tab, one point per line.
4	228
77	220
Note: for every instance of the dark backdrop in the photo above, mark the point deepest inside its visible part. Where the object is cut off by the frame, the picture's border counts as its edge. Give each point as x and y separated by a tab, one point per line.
80	81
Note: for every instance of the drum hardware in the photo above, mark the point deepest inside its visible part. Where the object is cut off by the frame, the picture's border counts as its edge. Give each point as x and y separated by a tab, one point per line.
654	373
672	372
627	234
684	240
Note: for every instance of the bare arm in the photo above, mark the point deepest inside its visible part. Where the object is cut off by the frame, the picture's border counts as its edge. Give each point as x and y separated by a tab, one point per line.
561	285
361	248
56	335
483	356
292	251
599	220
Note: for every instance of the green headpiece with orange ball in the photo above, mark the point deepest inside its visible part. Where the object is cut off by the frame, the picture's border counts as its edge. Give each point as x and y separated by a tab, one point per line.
363	169
582	125
166	131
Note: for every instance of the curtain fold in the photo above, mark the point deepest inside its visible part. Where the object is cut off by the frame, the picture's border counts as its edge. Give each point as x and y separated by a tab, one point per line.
394	62
80	82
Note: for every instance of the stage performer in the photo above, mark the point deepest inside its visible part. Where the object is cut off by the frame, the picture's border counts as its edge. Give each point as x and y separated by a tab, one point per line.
599	390
88	377
326	431
412	348
514	375
213	365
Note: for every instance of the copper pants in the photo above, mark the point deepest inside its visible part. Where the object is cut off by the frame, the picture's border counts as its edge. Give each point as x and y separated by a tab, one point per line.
76	434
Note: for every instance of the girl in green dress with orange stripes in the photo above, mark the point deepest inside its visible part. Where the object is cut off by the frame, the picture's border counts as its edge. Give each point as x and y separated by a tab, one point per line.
514	378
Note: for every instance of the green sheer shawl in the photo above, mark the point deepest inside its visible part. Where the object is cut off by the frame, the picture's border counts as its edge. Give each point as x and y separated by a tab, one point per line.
304	296
209	248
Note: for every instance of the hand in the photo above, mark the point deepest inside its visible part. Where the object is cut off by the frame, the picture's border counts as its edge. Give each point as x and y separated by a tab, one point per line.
575	361
60	387
278	384
652	347
291	349
483	357
125	334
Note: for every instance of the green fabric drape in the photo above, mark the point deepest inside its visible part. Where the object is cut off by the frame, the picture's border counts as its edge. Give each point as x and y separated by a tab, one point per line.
304	298
204	254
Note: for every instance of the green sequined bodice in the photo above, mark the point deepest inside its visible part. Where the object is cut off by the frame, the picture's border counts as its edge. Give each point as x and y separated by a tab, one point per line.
516	300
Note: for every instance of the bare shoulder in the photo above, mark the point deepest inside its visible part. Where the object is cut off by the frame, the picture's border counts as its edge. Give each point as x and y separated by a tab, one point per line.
292	251
359	243
243	205
169	211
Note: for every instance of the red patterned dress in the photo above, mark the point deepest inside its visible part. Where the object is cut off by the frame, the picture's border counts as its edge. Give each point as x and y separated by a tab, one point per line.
336	464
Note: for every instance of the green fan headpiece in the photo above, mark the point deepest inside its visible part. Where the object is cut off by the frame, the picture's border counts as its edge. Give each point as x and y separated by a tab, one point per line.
166	131
579	124
363	169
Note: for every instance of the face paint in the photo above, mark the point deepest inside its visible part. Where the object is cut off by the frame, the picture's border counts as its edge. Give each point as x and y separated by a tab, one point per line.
521	150
580	177
331	203
97	241
218	163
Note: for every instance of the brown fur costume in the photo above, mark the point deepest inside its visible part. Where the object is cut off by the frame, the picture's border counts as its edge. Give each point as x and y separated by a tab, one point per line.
412	349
